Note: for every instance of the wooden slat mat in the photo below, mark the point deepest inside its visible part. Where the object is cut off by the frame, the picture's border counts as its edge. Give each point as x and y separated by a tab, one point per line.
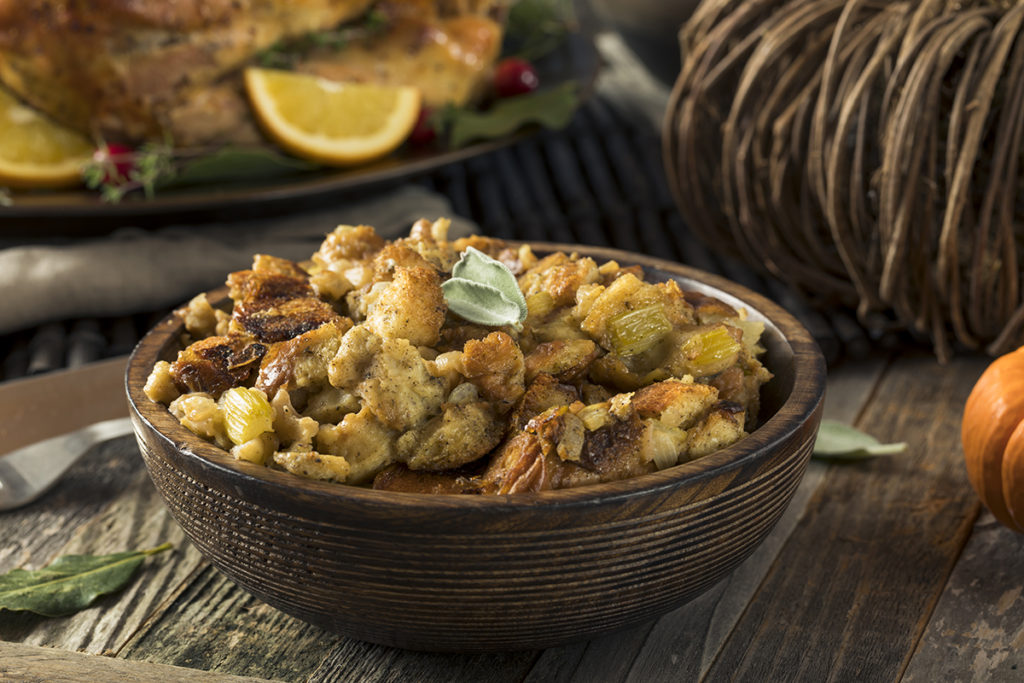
598	182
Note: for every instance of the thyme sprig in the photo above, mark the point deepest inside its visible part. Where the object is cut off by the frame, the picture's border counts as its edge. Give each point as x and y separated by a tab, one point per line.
117	174
156	167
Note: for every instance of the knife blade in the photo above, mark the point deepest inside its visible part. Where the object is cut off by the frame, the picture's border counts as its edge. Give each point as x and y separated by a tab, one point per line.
59	402
30	471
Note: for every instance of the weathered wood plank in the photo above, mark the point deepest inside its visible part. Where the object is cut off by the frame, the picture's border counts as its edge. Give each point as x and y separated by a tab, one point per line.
33	535
602	659
351	661
212	612
31	664
851	592
131	516
215	626
682	644
979	619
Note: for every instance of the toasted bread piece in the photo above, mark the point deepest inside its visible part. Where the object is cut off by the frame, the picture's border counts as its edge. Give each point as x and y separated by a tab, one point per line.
273	307
214	364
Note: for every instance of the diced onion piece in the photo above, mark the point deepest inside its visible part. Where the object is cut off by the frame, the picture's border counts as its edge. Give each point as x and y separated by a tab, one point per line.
595	416
247	414
634	332
752	331
256	450
464	393
586	295
660	446
358	276
539	304
570	444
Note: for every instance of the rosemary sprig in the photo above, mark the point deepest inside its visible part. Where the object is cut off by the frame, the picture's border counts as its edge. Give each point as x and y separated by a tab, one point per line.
284	54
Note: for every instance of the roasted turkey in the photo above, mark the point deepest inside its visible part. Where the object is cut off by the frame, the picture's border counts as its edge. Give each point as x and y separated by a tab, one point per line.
134	70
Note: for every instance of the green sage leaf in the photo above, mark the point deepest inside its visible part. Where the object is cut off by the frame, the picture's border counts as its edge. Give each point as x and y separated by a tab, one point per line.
551	108
480	303
838	441
477	266
483	290
70	583
237	164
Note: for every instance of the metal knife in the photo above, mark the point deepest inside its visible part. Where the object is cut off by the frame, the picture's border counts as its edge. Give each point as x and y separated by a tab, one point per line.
51	420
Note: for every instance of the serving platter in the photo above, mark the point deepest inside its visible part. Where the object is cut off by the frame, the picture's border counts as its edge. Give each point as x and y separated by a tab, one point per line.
82	211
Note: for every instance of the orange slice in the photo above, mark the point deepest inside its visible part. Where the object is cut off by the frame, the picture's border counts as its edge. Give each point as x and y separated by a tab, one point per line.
36	151
333	123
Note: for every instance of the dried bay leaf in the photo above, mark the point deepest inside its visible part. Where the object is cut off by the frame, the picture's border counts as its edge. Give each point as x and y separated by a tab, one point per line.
71	582
838	441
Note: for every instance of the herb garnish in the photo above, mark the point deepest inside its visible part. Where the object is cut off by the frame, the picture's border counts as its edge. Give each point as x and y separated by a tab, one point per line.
285	54
552	108
70	583
534	28
837	441
483	290
146	168
161	166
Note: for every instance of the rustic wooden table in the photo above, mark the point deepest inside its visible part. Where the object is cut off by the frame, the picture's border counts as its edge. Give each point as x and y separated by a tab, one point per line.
882	570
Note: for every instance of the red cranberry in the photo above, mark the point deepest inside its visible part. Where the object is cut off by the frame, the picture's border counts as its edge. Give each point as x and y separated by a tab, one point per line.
423	133
117	158
514	76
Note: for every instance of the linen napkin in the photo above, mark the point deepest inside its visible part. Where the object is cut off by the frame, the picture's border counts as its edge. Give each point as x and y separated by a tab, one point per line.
134	270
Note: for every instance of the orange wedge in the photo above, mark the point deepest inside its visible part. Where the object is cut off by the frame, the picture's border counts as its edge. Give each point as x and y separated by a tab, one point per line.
37	152
339	124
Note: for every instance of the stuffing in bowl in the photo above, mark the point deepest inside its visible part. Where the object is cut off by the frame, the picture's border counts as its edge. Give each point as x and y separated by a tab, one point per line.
472	366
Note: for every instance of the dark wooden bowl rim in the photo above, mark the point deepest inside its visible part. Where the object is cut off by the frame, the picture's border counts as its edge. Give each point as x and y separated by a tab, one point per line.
804	396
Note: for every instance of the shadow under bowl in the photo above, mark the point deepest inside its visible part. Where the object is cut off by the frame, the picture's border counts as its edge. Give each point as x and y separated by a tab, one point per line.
493	573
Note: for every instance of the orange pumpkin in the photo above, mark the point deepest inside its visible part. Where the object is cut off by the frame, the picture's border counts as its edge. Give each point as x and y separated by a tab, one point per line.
992	433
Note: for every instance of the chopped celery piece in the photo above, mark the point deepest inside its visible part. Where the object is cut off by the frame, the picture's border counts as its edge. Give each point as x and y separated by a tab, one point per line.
247	414
634	332
710	351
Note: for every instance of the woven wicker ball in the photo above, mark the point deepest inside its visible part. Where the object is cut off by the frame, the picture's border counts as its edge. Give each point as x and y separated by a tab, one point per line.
866	153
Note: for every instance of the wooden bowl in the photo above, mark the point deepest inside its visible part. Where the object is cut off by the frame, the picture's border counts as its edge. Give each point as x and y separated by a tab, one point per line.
489	573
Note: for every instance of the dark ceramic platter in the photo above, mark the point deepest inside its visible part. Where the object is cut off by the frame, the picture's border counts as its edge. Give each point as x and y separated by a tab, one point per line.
78	212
